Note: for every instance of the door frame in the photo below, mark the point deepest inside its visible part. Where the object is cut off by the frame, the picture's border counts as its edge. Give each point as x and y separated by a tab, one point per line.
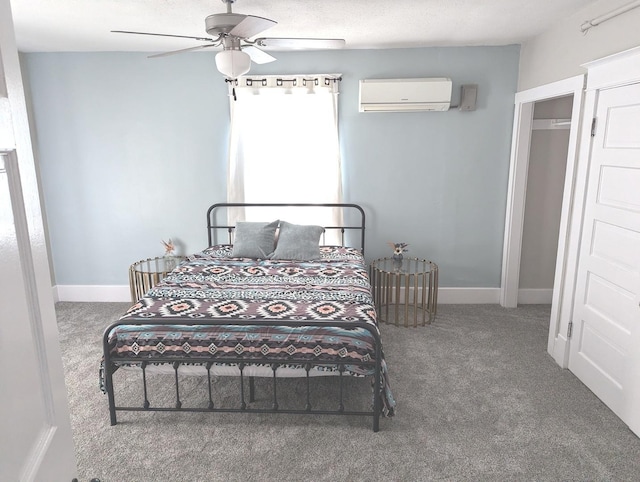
48	453
566	258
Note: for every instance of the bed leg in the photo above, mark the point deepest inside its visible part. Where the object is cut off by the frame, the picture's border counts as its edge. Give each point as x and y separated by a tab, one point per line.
112	410
146	403
377	390
108	382
341	403
243	404
210	406
307	407
176	365
252	389
274	367
377	404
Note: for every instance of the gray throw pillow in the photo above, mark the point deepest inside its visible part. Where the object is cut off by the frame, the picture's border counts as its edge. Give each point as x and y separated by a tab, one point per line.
254	240
297	241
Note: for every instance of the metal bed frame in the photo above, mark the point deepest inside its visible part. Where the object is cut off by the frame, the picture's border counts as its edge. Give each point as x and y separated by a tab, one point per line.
111	365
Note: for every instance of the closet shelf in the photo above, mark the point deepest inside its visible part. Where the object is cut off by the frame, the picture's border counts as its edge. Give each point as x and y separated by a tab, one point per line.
545	124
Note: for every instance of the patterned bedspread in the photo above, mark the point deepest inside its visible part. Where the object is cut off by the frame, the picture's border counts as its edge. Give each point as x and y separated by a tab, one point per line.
212	285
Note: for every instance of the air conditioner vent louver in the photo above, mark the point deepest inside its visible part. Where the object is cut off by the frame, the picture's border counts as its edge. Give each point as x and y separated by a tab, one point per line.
405	95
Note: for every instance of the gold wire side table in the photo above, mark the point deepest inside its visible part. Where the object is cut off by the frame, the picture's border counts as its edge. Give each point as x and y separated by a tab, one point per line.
145	274
405	291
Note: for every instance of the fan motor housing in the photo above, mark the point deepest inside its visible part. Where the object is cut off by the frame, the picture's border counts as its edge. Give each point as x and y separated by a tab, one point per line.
222	23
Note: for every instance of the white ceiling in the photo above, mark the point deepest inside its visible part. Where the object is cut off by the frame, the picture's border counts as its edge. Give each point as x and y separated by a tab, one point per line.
84	25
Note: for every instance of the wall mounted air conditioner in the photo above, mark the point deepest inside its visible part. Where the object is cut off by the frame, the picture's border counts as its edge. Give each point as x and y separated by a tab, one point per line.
405	95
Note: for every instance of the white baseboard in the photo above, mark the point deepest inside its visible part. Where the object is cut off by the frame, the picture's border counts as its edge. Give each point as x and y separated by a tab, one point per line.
535	296
466	296
121	293
99	293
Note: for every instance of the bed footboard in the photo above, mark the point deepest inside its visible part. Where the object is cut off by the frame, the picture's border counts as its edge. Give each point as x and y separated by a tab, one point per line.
244	366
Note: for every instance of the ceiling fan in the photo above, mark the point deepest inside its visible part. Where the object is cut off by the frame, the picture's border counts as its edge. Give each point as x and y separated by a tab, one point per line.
232	32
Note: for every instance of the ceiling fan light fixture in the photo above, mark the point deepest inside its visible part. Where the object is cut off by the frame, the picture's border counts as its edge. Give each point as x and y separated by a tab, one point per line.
233	63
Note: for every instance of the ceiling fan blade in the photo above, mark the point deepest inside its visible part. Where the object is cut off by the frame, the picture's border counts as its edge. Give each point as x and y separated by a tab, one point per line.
251	25
202	39
258	56
164	54
301	43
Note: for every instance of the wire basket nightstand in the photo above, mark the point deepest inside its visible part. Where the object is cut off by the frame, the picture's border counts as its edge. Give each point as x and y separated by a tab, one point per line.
405	291
145	274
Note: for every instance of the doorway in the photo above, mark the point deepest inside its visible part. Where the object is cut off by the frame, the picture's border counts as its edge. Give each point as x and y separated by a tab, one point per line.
552	103
548	151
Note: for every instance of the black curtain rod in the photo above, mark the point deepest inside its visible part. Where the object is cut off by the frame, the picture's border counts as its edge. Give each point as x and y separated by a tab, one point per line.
281	80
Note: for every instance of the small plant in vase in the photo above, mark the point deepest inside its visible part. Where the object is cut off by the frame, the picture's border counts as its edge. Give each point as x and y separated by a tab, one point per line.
169	253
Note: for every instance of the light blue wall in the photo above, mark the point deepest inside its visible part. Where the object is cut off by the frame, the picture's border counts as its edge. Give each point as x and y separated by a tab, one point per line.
133	150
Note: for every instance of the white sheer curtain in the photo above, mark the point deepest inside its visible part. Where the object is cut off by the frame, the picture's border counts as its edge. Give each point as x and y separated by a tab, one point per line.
284	146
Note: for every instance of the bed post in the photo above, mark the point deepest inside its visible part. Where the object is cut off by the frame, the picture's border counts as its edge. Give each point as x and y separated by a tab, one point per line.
252	389
377	388
108	376
108	384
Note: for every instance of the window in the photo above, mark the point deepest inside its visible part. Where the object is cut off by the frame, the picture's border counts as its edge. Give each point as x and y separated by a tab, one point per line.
284	145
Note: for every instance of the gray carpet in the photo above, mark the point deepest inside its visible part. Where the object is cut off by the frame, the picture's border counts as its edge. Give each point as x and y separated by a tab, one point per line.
478	399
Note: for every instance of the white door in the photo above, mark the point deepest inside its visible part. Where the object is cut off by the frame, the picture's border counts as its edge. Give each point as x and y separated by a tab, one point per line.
605	343
35	429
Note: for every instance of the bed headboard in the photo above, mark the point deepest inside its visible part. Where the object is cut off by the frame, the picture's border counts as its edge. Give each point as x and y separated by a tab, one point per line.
220	224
